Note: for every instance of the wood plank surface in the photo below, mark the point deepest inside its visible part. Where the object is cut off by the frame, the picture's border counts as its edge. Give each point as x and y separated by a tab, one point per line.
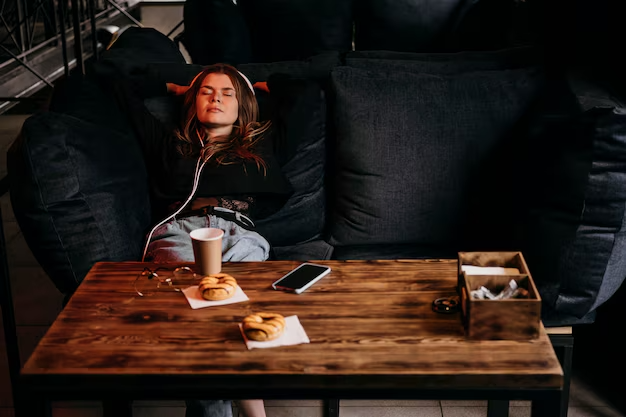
370	324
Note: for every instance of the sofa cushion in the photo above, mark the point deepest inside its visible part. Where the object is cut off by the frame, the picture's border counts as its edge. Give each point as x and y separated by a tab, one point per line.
215	31
298	114
576	228
291	30
79	193
409	148
444	63
431	25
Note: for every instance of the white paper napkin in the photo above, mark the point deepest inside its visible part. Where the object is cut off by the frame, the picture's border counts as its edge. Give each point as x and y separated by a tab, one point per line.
488	270
293	334
196	301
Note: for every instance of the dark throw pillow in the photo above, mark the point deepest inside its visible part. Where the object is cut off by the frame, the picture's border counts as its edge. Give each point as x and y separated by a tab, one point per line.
409	148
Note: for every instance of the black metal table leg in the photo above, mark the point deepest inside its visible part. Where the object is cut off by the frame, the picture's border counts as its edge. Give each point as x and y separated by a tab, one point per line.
564	349
497	408
548	407
331	408
117	408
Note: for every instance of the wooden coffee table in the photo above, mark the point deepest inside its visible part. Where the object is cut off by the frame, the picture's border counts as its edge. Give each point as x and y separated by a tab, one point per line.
373	335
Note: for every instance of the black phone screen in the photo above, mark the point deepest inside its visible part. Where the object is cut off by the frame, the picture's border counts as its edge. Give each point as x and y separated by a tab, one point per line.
301	276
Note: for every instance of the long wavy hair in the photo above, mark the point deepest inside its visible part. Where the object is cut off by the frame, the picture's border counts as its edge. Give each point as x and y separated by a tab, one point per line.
247	131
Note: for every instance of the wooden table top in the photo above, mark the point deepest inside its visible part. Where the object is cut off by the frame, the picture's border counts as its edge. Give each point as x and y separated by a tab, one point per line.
370	326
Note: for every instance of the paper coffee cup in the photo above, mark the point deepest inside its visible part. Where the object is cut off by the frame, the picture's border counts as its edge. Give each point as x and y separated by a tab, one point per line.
207	249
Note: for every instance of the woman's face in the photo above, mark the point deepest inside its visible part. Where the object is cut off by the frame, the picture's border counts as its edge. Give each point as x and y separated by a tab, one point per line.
216	103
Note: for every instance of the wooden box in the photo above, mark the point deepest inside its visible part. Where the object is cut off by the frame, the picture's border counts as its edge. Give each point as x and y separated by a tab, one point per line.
506	319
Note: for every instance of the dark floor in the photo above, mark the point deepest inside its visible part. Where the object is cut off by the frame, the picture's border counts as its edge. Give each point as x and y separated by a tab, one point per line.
597	388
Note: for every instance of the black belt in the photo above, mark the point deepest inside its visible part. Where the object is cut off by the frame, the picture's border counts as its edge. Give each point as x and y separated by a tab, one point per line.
224	213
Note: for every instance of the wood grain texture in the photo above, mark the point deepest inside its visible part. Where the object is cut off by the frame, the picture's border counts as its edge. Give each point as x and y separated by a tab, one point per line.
370	324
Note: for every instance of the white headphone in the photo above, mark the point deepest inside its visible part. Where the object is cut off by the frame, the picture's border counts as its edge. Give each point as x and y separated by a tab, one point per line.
240	73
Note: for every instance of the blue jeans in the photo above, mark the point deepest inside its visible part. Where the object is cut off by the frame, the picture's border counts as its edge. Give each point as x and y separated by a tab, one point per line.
171	243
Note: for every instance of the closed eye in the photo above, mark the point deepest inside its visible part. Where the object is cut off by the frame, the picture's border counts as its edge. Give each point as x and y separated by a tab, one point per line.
228	92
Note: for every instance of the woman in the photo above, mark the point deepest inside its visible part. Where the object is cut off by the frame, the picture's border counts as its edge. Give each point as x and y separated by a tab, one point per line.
216	169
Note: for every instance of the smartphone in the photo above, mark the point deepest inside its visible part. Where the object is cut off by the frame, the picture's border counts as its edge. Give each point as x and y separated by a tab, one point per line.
301	278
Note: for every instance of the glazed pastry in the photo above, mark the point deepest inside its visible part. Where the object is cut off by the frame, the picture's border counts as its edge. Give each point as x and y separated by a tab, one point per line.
217	287
263	326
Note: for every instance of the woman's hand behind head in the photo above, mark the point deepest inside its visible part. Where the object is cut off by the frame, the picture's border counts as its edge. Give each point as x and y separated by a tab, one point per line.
177	90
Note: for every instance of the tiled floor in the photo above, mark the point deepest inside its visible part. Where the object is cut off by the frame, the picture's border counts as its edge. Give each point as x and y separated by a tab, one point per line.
37	303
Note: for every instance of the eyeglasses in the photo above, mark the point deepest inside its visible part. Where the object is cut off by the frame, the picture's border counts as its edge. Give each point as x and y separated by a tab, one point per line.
162	279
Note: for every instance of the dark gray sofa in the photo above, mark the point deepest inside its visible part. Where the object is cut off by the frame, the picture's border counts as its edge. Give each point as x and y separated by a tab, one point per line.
436	135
